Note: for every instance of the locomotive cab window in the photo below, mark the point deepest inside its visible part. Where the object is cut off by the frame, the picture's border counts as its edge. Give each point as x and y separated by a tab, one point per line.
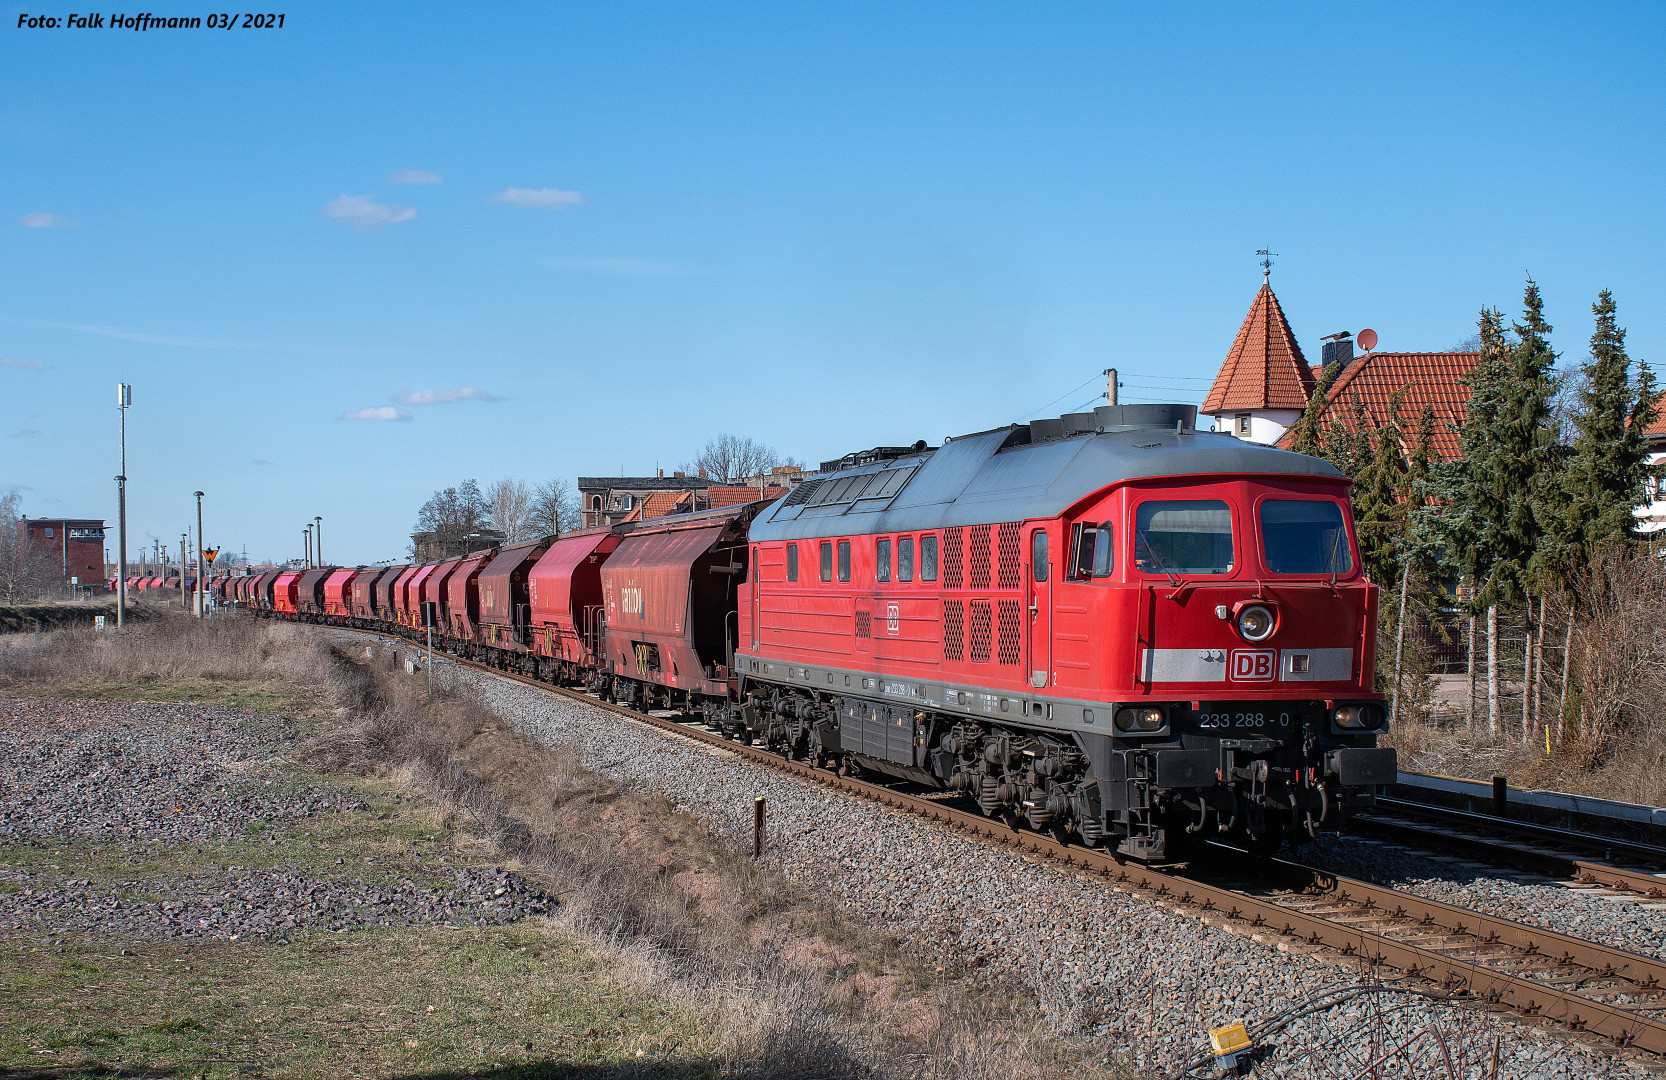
1305	536
882	559
844	560
827	560
905	558
1038	554
792	562
928	558
1094	557
1191	536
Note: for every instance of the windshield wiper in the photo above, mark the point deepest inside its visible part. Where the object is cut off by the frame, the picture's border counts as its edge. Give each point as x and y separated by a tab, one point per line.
1162	566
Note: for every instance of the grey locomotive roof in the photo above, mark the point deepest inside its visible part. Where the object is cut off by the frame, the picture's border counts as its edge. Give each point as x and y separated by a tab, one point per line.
1022	472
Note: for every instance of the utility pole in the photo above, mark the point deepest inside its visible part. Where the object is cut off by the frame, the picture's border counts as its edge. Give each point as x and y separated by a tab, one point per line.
199	556
124	398
182	538
318	540
1110	391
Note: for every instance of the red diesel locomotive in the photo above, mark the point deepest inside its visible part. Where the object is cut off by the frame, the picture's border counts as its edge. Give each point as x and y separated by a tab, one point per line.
1109	625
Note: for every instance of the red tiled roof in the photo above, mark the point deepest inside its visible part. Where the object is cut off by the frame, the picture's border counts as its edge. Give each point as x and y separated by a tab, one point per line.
1433	379
661	503
1657	430
734	495
1264	369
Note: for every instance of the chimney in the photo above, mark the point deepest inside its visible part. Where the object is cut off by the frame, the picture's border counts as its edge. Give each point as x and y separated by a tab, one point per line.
678	474
662	474
1338	350
702	474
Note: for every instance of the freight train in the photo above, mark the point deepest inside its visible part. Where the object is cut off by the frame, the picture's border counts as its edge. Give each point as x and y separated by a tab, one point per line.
1110	625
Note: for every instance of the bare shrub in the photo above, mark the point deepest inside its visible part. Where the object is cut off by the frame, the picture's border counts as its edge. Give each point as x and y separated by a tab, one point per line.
1619	656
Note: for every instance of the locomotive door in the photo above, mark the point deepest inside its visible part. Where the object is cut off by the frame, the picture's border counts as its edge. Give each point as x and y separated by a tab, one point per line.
754	584
1040	588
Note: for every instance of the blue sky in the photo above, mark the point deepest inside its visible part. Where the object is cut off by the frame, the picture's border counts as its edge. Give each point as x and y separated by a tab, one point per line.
827	227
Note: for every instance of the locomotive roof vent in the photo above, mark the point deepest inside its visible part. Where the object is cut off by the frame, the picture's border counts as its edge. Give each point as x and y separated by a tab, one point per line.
1117	418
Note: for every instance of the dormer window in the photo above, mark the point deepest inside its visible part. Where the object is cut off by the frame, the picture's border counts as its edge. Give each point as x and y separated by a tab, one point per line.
1241	424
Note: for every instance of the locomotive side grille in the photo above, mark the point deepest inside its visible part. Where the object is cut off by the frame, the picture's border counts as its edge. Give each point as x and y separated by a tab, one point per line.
979	653
954	558
864	624
954	629
978	558
1008	632
1010	573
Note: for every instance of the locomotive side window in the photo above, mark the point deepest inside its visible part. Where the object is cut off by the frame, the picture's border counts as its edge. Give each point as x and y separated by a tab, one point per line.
928	558
1095	557
882	559
905	558
1192	536
844	560
1038	554
1304	536
827	560
792	562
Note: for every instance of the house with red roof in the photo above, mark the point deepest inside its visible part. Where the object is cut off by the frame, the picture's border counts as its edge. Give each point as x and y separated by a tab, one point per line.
1265	383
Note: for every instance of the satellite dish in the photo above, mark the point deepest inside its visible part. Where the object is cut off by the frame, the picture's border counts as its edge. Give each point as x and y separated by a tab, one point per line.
1367	340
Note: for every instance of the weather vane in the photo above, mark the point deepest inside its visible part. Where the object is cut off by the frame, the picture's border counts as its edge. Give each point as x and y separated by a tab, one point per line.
1267	258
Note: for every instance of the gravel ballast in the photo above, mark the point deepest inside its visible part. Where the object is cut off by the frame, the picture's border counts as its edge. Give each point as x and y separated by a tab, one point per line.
127	783
1113	966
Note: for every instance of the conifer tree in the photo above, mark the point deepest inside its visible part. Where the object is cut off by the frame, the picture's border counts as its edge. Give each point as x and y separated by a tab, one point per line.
1379	516
1604	480
1308	440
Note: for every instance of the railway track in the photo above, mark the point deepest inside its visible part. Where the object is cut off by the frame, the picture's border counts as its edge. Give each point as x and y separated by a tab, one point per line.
1585	987
1578	858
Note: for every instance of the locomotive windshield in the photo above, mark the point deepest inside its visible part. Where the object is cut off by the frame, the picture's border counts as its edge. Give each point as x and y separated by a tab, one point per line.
1193	536
1304	536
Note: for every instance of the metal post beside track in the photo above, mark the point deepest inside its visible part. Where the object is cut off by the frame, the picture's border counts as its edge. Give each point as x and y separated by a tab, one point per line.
758	827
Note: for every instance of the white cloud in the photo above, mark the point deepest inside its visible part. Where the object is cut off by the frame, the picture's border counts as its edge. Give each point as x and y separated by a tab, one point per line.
376	412
414	176
623	267
538	198
363	212
26	433
45	221
18	361
260	461
446	397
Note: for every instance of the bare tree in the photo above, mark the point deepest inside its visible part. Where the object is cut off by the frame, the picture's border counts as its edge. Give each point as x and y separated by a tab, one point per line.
25	574
554	508
447	520
509	504
732	459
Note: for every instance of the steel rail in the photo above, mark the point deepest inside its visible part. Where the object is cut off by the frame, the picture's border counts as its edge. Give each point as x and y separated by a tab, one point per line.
1455	975
1567	864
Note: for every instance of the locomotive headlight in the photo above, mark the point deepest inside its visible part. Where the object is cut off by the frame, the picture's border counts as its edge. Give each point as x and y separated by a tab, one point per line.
1255	623
1357	717
1143	718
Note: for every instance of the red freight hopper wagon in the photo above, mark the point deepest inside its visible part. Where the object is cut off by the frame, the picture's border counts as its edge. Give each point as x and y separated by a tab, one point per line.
565	591
260	592
338	592
382	594
462	597
400	597
310	595
284	591
411	613
670	592
1109	623
434	592
505	603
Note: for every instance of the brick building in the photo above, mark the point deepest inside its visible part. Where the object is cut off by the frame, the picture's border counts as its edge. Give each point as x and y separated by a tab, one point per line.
75	545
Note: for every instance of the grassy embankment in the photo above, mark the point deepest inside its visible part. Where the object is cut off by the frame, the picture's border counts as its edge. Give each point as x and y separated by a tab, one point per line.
672	955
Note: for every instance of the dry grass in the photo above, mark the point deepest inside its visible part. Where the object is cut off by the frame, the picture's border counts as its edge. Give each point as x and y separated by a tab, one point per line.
789	987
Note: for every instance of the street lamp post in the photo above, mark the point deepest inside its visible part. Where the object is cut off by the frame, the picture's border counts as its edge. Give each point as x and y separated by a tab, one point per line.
124	398
306	538
199	555
318	540
182	539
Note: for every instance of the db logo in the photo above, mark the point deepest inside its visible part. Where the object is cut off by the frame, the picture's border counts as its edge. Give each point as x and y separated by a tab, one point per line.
1254	665
893	620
